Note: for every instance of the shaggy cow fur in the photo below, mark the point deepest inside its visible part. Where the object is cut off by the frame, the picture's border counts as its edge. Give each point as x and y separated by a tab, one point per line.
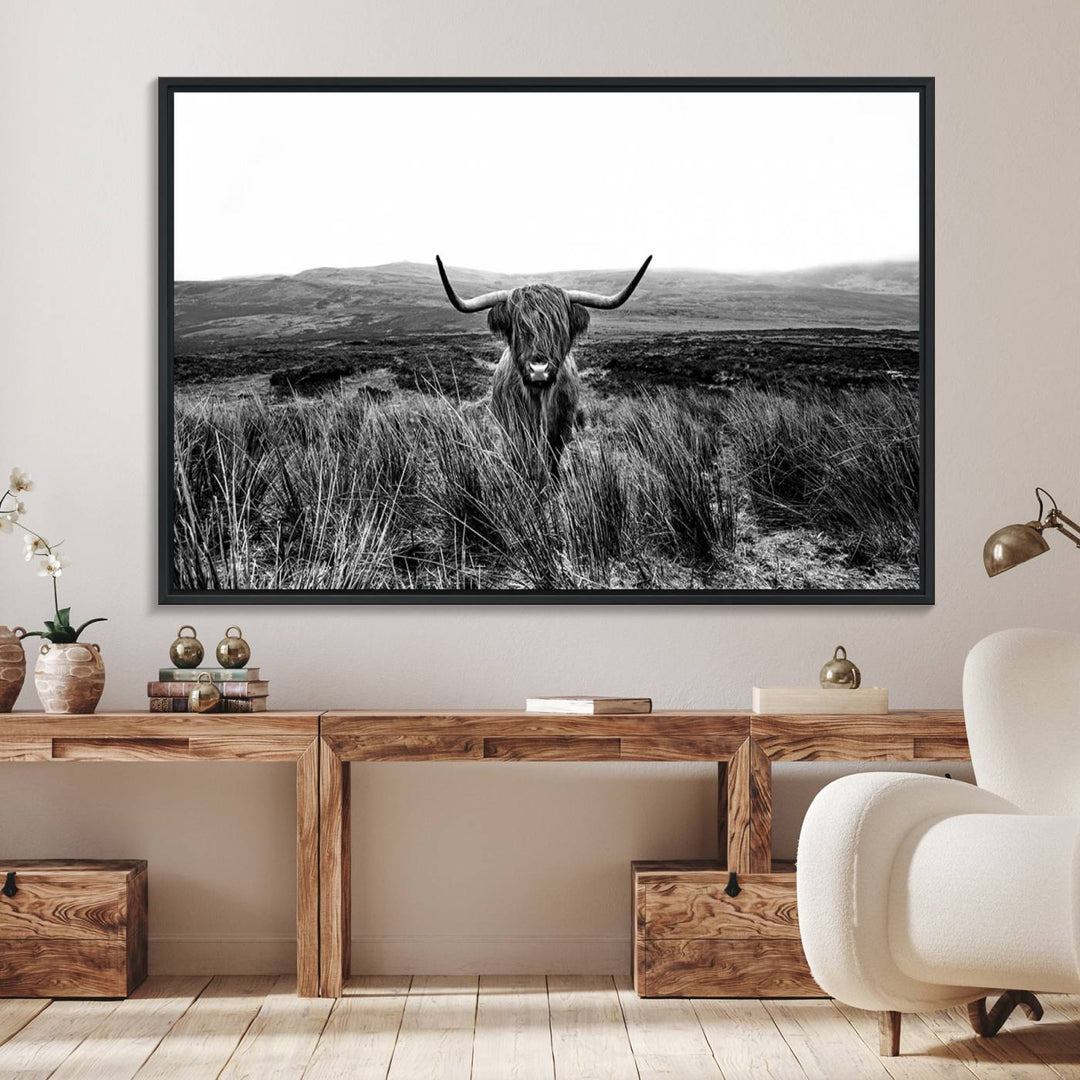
536	388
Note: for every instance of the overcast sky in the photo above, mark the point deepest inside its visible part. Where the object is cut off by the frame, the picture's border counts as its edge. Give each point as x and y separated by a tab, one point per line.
282	182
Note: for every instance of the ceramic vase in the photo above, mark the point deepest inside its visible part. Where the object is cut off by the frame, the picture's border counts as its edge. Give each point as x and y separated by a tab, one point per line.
12	667
69	678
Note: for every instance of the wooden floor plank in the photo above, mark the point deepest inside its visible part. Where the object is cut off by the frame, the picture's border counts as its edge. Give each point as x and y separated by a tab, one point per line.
1056	1038
745	1042
281	1039
1004	1057
509	1028
16	1013
665	1036
204	1038
358	1041
117	1048
922	1054
40	1048
435	1041
513	1029
825	1044
588	1034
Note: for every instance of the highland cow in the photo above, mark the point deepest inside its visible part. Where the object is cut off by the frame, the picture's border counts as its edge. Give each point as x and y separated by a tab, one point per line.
536	389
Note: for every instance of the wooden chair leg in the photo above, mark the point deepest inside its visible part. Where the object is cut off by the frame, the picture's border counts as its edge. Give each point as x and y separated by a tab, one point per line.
988	1024
889	1033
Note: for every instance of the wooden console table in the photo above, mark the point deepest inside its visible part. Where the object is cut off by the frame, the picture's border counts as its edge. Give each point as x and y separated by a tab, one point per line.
322	745
743	745
268	736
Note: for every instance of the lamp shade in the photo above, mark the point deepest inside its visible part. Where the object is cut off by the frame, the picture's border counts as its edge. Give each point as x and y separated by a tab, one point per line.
1013	545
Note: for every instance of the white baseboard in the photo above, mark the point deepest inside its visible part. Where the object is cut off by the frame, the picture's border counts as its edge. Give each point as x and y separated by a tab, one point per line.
430	954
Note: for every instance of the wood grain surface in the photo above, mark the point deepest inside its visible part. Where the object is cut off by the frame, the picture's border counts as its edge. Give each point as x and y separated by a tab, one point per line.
749	810
752	967
764	908
518	1028
307	871
200	1043
74	904
129	1035
359	1039
513	1033
73	929
157	725
43	967
890	737
335	874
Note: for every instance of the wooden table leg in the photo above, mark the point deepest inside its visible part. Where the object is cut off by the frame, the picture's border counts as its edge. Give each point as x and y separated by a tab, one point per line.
307	872
334	872
749	810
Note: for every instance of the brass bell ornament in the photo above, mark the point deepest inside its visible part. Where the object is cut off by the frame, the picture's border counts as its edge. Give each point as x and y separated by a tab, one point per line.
204	696
186	651
233	652
840	673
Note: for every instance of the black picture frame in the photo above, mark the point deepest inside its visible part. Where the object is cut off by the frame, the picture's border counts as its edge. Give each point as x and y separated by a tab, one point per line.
169	87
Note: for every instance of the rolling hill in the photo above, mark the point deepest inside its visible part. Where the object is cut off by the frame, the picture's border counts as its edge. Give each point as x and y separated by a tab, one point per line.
331	303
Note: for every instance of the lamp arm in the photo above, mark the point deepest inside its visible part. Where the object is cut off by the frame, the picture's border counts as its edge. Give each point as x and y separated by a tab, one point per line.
1056	519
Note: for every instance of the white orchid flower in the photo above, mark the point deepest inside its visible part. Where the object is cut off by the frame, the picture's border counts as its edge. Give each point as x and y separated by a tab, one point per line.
20	480
54	565
34	545
7	521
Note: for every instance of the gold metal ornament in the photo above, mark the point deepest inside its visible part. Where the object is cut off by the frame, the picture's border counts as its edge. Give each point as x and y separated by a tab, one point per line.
233	652
186	652
840	673
204	696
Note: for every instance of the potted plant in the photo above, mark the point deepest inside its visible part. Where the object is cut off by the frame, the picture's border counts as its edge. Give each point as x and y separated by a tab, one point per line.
69	674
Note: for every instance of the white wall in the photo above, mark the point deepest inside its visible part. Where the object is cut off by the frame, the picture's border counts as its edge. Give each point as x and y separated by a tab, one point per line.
495	867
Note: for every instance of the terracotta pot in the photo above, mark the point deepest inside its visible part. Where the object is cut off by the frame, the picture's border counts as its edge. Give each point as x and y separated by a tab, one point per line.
12	666
69	678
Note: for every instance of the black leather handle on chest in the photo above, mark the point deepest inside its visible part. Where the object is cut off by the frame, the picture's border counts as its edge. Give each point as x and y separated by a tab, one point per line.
9	884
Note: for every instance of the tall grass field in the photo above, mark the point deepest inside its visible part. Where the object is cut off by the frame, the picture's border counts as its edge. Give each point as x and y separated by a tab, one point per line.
681	487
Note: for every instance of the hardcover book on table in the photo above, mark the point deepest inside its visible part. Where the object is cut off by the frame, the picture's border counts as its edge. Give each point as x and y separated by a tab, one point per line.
581	705
168	674
229	705
225	689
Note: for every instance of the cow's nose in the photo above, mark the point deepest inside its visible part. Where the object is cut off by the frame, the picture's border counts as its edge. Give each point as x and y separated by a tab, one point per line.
538	370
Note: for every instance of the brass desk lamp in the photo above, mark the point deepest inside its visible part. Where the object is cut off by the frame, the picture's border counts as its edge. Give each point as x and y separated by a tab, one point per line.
1014	544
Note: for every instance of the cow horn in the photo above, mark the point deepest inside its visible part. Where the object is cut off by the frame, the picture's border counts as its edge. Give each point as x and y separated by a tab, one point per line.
595	300
478	303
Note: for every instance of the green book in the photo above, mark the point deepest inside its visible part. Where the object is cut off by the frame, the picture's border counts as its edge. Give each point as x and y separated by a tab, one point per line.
218	674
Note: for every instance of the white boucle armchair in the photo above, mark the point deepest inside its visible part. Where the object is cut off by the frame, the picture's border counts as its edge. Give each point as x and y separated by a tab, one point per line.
918	893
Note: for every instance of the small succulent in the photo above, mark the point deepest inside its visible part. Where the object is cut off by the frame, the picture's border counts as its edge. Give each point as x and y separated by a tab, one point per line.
51	563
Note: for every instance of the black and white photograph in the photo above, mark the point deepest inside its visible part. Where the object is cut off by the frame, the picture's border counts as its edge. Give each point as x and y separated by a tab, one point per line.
594	342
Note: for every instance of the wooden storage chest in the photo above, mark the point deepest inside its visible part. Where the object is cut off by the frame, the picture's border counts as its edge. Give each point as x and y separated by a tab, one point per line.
693	939
71	928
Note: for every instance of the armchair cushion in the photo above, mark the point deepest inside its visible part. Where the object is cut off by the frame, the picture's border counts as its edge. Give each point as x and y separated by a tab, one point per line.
853	833
987	899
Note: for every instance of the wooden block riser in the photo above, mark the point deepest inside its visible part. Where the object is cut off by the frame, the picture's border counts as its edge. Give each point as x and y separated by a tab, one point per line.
73	929
693	939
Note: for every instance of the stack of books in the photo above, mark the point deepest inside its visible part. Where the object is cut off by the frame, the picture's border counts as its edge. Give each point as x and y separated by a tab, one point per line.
241	689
